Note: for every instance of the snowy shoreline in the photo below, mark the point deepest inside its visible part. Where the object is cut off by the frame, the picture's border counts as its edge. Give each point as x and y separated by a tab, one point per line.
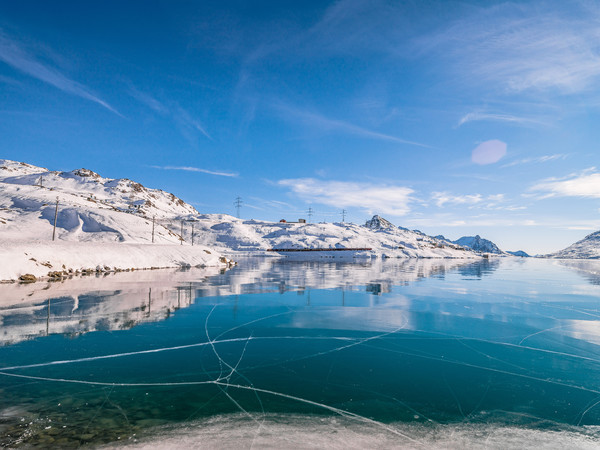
45	260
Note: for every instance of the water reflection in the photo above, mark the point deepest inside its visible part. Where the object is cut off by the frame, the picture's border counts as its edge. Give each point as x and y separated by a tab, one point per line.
481	268
121	301
590	269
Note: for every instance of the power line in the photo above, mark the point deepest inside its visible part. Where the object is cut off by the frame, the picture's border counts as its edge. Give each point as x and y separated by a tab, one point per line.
238	204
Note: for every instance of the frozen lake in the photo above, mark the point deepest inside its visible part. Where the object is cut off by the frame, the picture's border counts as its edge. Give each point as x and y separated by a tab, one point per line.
413	354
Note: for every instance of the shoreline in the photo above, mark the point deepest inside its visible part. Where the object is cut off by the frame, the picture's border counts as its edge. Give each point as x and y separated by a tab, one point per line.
53	261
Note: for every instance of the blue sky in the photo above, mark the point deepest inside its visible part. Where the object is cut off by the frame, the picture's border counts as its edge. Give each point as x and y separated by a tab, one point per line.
455	118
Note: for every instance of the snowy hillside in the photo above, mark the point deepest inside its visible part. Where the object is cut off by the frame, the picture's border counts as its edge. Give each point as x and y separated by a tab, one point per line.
114	218
106	214
90	207
226	233
479	244
587	248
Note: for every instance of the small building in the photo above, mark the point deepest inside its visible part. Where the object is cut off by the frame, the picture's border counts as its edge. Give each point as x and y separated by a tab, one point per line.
299	221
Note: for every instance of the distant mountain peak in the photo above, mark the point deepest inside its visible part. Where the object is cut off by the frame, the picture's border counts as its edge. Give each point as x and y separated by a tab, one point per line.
85	173
379	223
478	244
586	248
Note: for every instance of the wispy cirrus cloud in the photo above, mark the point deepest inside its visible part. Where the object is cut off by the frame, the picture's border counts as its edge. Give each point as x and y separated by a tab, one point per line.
13	54
147	100
319	121
523	46
585	184
370	197
185	122
490	117
537	160
197	169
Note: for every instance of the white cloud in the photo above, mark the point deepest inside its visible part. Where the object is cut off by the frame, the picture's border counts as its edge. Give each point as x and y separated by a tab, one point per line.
584	184
196	169
488	152
373	198
471	201
442	198
15	56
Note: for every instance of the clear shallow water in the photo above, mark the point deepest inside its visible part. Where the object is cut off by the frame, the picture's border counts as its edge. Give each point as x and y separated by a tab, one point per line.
417	353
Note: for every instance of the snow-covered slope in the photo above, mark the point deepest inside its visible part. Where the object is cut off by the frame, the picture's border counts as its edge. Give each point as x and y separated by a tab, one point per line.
103	213
587	248
227	233
479	244
90	207
107	212
519	253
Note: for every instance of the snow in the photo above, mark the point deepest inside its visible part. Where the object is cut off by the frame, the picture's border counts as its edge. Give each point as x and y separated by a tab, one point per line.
39	258
100	222
587	248
479	244
227	234
110	222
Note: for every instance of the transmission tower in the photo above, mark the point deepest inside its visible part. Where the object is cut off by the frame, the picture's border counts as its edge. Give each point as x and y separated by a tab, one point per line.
344	215
310	214
238	204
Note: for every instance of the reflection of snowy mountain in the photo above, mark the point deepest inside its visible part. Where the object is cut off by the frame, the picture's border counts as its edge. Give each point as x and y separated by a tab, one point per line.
95	303
589	269
587	248
267	275
123	300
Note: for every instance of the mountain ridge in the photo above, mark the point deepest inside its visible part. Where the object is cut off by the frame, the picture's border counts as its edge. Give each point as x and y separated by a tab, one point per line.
92	208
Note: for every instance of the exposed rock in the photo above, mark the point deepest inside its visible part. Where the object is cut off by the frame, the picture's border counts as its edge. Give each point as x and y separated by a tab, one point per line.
27	278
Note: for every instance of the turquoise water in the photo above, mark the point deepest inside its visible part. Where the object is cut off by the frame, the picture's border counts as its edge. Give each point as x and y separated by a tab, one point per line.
396	349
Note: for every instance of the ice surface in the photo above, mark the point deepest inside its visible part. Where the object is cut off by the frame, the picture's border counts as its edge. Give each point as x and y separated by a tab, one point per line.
411	354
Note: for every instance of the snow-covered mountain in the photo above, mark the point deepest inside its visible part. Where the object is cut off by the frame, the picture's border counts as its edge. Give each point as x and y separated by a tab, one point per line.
587	248
519	253
90	207
227	233
114	218
379	223
479	244
106	211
